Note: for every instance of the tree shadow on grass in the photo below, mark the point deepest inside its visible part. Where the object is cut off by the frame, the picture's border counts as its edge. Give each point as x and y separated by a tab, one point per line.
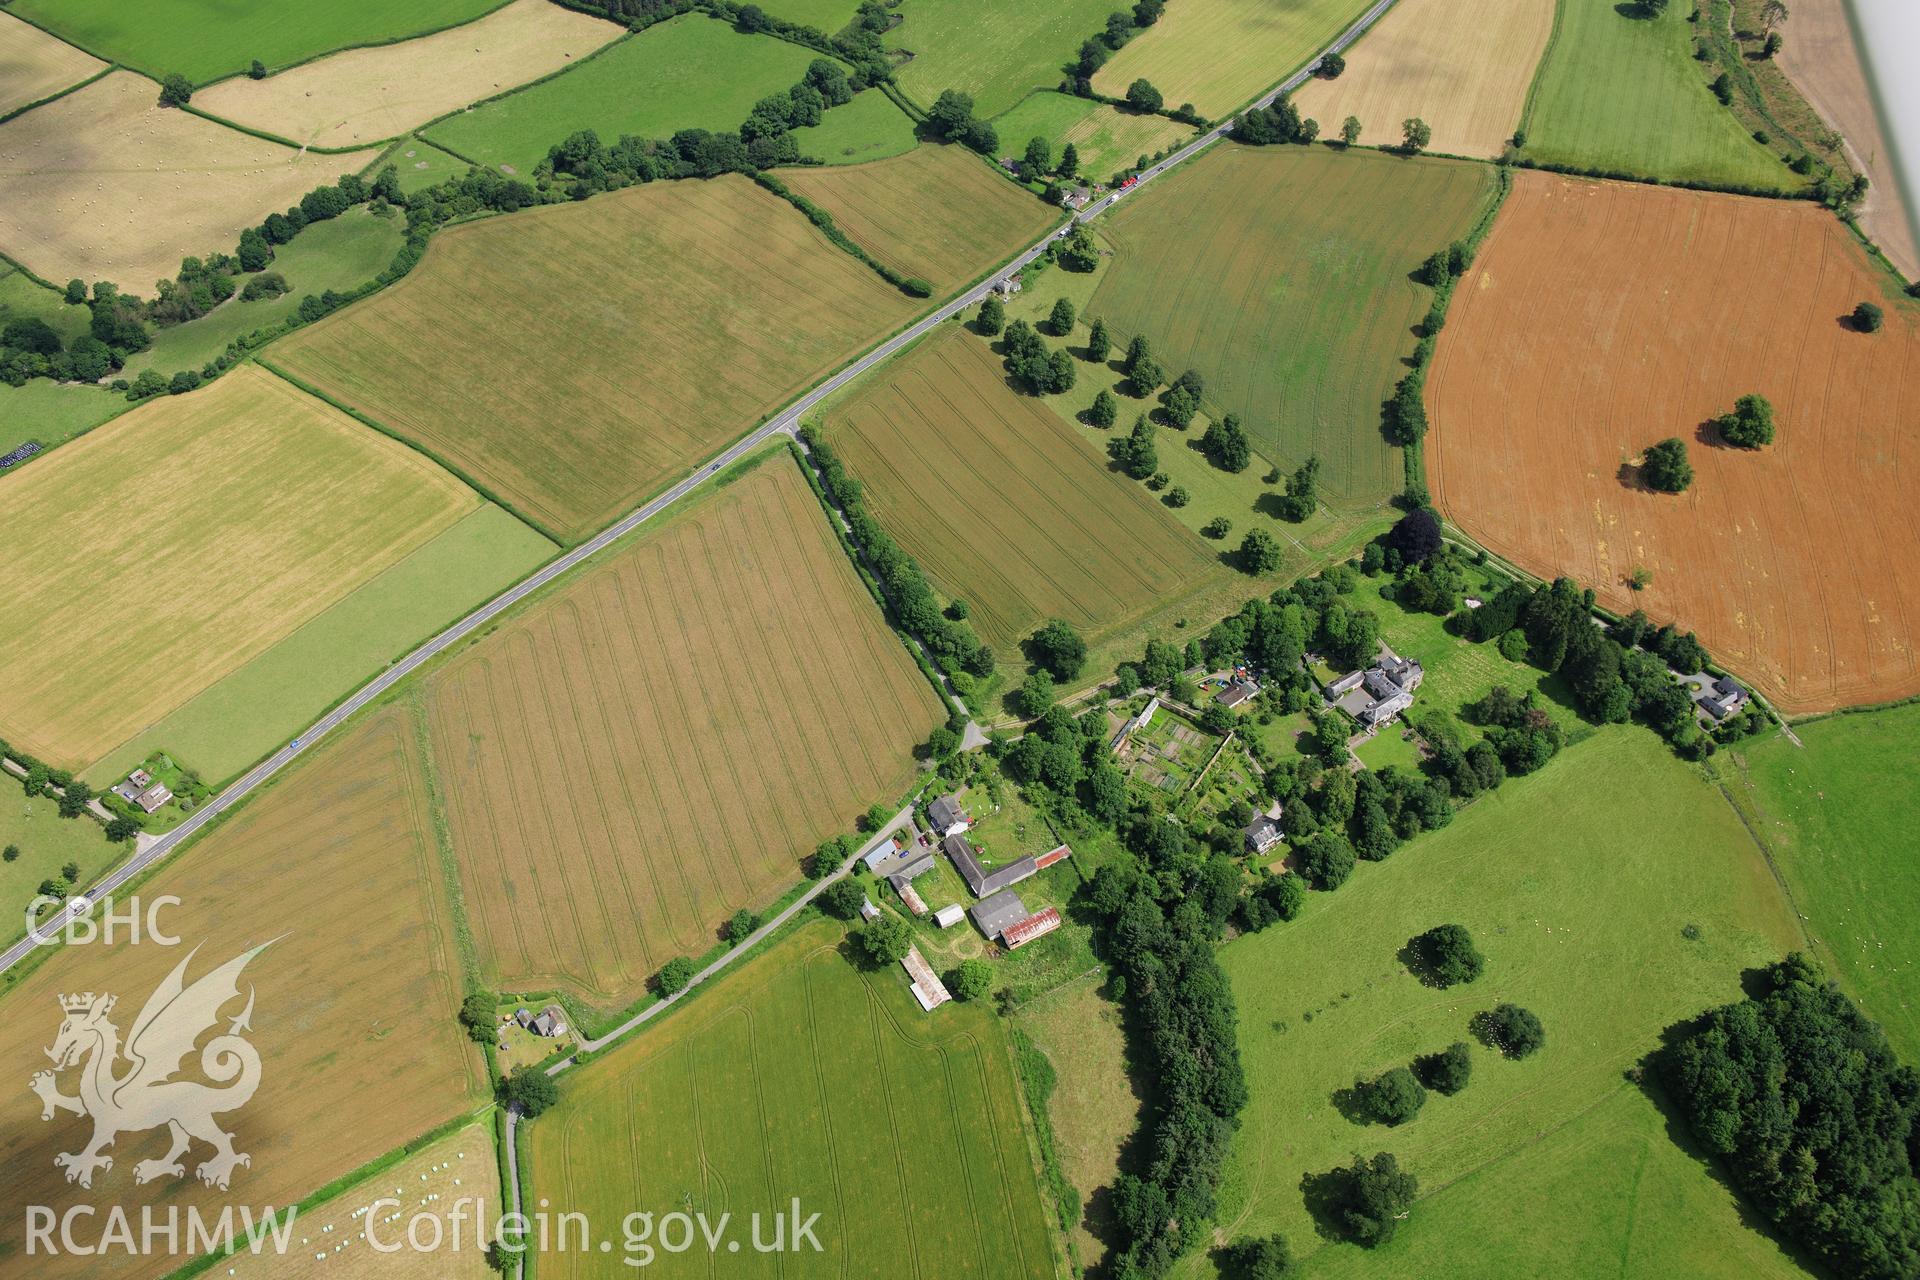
1322	1194
1351	1106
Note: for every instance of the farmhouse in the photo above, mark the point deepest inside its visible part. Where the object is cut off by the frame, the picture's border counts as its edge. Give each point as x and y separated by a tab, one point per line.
1236	693
153	797
1722	697
1264	832
1379	693
550	1021
927	987
136	782
947	817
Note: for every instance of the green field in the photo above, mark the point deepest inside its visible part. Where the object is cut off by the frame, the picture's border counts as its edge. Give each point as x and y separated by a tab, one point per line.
1623	94
999	51
21	297
250	712
870	127
1220	54
1107	140
796	1075
209	39
827	16
1577	884
422	165
51	413
1282	275
341	253
1839	817
692	72
46	842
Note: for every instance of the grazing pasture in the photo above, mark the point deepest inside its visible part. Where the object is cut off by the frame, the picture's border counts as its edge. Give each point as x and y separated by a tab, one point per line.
871	127
1221	54
1463	68
998	51
341	253
798	1075
1602	317
690	72
214	523
52	413
47	842
207	39
335	862
105	184
1838	817
584	355
1622	93
35	65
360	96
1580	904
1003	507
937	212
253	709
1283	274
1822	55
23	297
1105	139
658	745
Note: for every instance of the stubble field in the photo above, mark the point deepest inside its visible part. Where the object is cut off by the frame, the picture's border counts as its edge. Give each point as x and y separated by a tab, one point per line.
937	212
206	39
1003	507
1220	54
35	65
1463	68
356	993
1283	275
584	355
105	184
1579	904
360	96
153	556
797	1076
1602	317
659	744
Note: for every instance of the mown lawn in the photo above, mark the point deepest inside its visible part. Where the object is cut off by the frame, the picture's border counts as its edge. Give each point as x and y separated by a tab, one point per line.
1578	884
1623	94
692	72
1839	817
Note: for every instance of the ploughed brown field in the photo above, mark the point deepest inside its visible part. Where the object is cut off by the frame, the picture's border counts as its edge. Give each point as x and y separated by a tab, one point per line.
353	1013
1601	317
658	745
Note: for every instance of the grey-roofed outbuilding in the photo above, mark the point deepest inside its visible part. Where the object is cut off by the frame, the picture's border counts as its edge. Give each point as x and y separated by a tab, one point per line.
995	915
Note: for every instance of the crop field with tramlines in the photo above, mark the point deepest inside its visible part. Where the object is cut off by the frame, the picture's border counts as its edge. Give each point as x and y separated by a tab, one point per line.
1603	317
1003	506
105	184
1283	275
657	745
584	355
1463	68
797	1075
1582	907
939	213
336	865
360	96
1220	54
215	523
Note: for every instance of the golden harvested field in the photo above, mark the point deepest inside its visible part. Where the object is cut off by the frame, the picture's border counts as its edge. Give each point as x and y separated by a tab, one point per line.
1823	58
360	96
105	184
357	993
1602	317
155	554
584	355
1220	54
1463	67
659	744
938	212
431	1180
35	65
1003	506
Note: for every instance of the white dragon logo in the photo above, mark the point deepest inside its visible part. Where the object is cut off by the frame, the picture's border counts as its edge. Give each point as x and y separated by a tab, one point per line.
144	1096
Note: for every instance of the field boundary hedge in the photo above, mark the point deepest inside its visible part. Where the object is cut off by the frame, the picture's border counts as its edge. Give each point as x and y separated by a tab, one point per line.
912	286
101	74
364	44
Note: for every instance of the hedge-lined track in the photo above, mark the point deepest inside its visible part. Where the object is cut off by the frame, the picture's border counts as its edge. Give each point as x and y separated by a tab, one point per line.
796	1075
1283	275
1602	317
357	993
582	355
156	554
1001	505
659	744
937	212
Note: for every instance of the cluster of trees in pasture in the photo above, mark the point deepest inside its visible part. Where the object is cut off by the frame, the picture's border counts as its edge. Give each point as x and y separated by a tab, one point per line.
1799	1096
70	793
